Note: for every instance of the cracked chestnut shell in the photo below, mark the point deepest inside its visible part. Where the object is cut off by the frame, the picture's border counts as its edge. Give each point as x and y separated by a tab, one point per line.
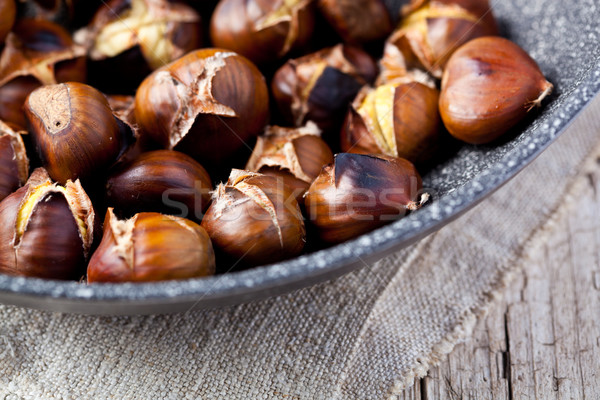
46	230
164	181
357	21
431	30
151	247
37	53
399	119
358	193
262	30
74	130
254	219
128	39
320	86
489	85
207	104
295	155
14	164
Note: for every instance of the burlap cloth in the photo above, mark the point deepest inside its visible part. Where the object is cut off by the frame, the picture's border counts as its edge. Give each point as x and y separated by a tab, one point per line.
364	336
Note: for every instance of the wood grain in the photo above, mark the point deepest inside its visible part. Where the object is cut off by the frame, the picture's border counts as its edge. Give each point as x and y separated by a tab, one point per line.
542	340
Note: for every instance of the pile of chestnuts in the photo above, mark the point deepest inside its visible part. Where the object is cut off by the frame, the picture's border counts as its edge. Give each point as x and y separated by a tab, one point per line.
145	140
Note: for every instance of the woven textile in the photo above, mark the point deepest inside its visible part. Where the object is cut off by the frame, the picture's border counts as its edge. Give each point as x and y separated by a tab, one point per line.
363	336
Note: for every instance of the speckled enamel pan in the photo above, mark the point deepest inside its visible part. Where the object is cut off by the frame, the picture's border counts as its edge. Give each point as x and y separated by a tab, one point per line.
563	37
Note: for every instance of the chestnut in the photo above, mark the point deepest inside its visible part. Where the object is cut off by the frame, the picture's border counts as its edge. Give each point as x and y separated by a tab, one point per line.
150	247
431	30
47	229
489	85
163	181
14	164
254	219
320	86
74	130
262	30
37	53
357	21
127	39
358	193
398	119
207	104
295	155
8	13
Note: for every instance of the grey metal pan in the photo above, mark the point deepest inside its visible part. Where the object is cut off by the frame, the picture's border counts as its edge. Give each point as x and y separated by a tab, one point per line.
564	37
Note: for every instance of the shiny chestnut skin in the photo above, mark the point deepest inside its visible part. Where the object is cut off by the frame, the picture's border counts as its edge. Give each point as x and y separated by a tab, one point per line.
128	39
8	12
357	21
47	229
431	30
151	247
320	86
295	155
74	130
254	219
358	193
489	85
262	30
14	163
206	104
37	53
399	119
164	181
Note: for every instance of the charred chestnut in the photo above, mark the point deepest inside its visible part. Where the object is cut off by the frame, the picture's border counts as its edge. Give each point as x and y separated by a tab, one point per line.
320	86
358	193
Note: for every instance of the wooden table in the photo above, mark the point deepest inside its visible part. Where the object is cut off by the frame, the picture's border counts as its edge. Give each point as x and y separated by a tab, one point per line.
542	340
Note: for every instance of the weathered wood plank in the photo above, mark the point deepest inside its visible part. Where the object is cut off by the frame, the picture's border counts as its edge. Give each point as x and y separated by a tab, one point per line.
542	340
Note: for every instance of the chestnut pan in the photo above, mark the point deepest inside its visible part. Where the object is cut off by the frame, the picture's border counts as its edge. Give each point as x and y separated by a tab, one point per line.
563	37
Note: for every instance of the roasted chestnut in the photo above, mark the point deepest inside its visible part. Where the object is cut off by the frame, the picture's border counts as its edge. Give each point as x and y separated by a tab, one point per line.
151	247
399	119
14	164
358	193
47	230
37	53
127	39
489	85
262	30
254	219
207	104
163	181
431	30
8	12
357	21
74	130
295	155
320	86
